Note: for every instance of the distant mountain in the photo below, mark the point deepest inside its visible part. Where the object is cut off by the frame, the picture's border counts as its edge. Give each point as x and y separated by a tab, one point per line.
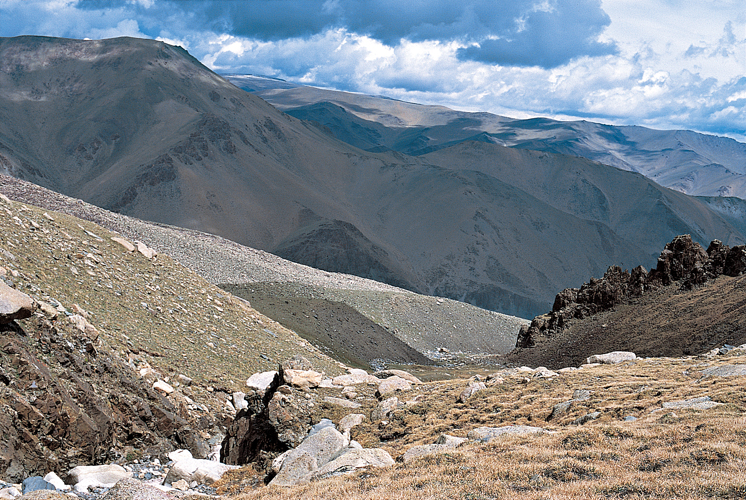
690	162
142	128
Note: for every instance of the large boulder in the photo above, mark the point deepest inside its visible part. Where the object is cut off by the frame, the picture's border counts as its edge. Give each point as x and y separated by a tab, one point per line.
315	451
351	461
14	304
96	476
391	386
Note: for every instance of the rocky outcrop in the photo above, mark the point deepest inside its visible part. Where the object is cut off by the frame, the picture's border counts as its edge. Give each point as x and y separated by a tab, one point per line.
14	304
69	401
682	261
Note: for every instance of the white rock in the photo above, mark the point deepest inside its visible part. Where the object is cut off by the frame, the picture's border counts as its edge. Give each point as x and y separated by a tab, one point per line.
392	385
472	389
101	476
303	379
147	252
611	358
9	493
55	480
178	455
239	401
260	381
315	451
162	386
487	434
126	244
355	377
194	469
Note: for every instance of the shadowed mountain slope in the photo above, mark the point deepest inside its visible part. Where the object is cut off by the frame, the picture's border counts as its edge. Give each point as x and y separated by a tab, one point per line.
690	162
142	128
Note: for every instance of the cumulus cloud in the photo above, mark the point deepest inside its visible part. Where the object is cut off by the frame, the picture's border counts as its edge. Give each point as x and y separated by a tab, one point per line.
543	33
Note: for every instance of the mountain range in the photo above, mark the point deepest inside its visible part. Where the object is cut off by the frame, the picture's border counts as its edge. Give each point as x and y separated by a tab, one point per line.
690	162
142	128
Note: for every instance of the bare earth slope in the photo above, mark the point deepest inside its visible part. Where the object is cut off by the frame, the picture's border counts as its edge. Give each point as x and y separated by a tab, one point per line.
421	322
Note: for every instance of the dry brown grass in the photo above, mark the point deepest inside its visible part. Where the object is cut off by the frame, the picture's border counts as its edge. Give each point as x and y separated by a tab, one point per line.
664	454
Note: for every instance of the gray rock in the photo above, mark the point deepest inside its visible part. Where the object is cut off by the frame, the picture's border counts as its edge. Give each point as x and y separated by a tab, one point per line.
452	441
315	451
581	395
344	403
34	483
469	391
195	469
392	385
350	421
351	461
630	418
416	452
703	403
14	304
725	371
611	358
586	418
132	489
487	434
560	409
384	409
323	424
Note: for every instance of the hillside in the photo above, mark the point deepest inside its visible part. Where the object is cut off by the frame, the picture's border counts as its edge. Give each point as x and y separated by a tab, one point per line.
422	323
686	161
141	128
691	302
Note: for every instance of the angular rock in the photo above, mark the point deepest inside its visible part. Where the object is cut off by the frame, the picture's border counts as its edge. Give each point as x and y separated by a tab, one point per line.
735	262
543	372
297	362
239	401
581	394
611	358
132	489
34	483
384	409
560	409
262	381
422	450
725	371
303	379
487	434
14	304
10	493
586	418
350	421
355	377
195	469
56	481
351	461
100	476
290	416
84	326
452	441
344	403
163	387
124	243
392	385
469	391
149	253
316	450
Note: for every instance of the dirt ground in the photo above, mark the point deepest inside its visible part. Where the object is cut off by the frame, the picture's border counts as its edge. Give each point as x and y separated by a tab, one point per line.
334	327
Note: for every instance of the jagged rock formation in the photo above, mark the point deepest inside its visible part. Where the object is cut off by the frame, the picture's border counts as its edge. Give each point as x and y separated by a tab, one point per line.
682	261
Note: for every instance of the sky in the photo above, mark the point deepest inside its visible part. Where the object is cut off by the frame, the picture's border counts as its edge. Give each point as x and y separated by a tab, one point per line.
665	64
